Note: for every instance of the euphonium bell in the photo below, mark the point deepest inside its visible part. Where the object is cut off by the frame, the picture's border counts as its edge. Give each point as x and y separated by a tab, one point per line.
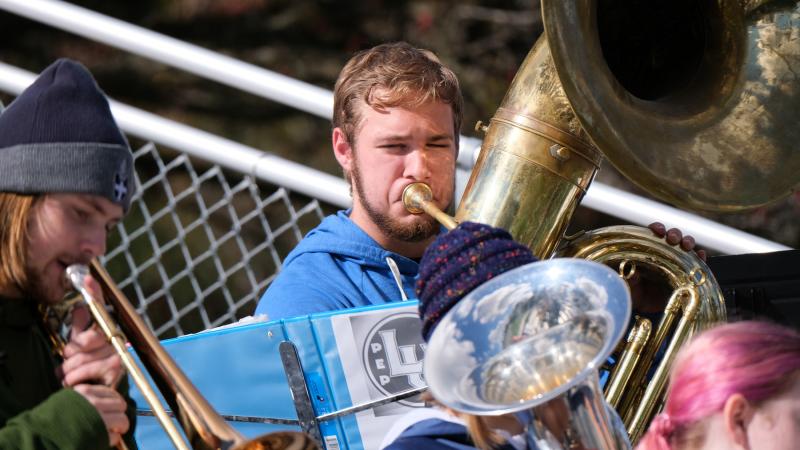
529	343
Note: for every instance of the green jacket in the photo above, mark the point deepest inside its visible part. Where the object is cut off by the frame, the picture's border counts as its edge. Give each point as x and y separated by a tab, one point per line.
36	412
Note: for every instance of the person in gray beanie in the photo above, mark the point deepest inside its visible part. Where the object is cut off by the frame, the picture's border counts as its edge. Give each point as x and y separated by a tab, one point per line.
59	136
66	179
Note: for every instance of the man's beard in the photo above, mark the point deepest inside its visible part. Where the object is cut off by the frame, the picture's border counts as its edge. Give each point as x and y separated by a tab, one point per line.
37	289
419	230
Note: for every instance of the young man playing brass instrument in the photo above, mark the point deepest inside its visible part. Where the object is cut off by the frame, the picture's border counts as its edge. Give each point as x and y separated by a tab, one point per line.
396	116
66	178
397	113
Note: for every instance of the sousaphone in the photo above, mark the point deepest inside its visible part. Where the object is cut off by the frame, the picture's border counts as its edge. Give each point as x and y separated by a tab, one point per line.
695	101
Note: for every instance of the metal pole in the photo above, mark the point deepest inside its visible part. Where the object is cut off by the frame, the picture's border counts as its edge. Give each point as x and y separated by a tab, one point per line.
176	53
233	155
641	211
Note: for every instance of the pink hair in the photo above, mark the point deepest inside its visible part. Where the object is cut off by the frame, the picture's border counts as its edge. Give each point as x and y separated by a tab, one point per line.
754	359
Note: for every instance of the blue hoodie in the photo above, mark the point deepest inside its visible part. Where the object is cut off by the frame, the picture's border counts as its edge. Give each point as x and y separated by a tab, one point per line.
436	434
336	266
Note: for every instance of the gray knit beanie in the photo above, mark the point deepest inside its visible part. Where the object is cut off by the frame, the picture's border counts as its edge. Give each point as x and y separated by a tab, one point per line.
59	136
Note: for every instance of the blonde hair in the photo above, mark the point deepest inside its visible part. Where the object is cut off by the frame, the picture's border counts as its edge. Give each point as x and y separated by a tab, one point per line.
483	436
15	210
404	75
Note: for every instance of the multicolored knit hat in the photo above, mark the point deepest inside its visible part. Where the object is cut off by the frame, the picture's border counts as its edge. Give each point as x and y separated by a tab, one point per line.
459	261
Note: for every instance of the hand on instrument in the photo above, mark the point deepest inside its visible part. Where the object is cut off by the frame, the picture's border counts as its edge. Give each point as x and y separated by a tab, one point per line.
89	357
111	407
649	289
674	236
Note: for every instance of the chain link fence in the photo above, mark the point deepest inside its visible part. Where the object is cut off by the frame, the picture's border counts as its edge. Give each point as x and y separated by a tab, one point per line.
201	243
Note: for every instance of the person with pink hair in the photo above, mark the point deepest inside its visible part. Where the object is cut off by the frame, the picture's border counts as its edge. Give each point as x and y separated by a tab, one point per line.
735	386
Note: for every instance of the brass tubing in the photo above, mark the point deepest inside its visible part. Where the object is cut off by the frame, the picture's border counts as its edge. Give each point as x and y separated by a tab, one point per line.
139	378
202	426
170	378
624	369
689	278
634	393
654	393
418	198
535	163
108	327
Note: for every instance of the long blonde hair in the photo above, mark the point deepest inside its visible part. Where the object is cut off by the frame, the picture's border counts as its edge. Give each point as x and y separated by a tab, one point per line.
15	209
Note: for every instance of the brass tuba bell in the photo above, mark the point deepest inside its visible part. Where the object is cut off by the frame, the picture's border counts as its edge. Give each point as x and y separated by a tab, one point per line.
695	101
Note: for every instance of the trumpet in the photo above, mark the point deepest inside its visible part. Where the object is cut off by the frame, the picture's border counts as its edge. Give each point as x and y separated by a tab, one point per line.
202	426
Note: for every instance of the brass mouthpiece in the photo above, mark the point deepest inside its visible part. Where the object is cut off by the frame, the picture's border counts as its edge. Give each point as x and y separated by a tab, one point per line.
417	198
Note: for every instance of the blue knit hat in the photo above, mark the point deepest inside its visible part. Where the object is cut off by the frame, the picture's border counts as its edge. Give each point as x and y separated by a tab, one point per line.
459	261
59	136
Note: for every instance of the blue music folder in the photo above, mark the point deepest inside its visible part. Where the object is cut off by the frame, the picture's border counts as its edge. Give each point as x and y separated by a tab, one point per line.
348	358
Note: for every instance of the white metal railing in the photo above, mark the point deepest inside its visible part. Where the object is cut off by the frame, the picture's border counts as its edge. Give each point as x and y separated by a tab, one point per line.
708	233
227	153
315	100
172	52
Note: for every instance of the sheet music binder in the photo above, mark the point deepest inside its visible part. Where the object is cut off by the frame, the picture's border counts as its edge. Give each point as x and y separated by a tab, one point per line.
348	358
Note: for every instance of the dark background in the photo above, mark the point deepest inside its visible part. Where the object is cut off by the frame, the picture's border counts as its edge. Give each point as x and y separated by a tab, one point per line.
484	42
